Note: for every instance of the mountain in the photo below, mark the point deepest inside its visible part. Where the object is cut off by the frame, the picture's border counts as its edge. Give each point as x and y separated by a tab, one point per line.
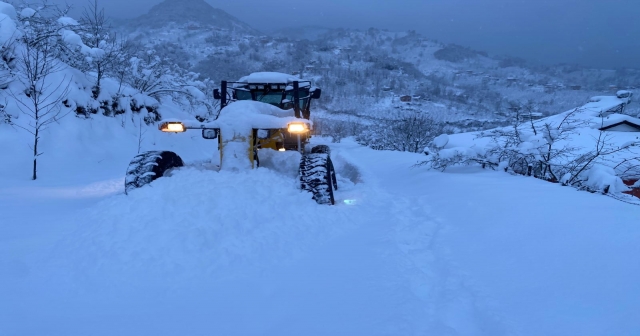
195	13
365	72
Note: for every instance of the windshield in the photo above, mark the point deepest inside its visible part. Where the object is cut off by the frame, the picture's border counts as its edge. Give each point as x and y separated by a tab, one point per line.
273	97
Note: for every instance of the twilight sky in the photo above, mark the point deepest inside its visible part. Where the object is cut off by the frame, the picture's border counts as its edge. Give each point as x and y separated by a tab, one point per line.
599	33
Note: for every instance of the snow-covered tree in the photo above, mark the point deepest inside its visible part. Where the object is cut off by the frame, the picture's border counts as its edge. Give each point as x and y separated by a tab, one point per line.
106	49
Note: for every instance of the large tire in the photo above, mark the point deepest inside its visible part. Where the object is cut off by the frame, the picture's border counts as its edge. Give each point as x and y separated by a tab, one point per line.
316	177
324	149
332	171
148	166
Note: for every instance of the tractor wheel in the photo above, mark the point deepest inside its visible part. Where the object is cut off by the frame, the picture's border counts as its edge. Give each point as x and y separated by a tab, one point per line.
324	149
332	171
316	177
148	166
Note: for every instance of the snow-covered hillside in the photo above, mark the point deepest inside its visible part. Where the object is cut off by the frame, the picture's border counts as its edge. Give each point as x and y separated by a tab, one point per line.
584	147
364	73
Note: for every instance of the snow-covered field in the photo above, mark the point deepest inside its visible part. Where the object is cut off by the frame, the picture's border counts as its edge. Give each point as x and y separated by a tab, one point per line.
405	252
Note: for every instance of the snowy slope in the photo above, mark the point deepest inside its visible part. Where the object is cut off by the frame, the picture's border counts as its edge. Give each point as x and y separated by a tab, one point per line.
412	252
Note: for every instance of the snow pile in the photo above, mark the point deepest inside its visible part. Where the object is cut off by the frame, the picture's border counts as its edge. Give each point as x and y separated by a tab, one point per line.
600	177
441	141
27	12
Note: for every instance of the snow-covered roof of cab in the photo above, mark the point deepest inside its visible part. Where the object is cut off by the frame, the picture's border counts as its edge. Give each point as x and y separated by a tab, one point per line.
269	78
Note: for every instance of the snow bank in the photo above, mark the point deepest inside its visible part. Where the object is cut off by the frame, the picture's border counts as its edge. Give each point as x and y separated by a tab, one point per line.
599	177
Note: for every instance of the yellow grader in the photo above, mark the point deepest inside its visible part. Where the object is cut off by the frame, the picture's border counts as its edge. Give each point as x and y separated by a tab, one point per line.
265	111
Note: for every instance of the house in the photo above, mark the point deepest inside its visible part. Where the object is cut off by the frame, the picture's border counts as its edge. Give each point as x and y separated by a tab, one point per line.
575	87
621	123
405	99
607	105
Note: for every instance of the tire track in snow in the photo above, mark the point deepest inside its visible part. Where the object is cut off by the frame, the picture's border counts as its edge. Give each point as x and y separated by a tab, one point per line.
443	303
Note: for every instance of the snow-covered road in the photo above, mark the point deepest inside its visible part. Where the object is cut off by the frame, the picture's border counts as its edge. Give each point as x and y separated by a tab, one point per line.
410	252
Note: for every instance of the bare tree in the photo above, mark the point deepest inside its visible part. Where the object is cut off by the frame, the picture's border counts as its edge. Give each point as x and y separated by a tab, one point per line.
141	134
40	102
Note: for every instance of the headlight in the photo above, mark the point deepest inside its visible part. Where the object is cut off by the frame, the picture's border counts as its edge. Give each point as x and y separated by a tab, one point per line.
298	127
175	126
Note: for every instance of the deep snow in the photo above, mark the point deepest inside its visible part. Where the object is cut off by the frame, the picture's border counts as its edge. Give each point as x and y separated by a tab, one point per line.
410	252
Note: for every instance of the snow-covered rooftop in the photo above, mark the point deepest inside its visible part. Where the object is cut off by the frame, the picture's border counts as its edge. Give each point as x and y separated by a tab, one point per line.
616	119
601	104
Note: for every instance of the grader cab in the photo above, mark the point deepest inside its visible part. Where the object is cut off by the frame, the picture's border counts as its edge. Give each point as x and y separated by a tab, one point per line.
261	112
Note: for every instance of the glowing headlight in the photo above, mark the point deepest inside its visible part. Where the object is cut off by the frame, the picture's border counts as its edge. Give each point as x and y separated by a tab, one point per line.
297	127
172	127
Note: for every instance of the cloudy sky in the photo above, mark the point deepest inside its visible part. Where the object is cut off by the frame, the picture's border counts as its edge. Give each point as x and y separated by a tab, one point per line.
599	33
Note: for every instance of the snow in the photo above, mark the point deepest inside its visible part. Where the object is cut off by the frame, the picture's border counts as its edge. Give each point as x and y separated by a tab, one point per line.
600	104
8	29
242	116
269	78
601	176
441	141
236	123
27	12
618	118
203	252
71	37
67	21
585	122
8	10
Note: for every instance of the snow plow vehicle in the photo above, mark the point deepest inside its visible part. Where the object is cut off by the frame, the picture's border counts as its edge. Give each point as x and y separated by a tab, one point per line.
265	111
